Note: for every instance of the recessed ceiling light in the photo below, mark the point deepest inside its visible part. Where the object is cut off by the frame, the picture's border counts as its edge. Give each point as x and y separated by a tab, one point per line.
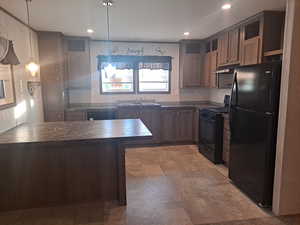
226	6
186	33
90	31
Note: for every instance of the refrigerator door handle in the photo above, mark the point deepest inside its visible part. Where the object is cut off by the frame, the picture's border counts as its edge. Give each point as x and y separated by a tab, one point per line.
234	91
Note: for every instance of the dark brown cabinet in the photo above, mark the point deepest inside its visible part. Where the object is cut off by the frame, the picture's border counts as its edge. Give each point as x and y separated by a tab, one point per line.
209	79
52	75
251	51
213	69
191	54
168	125
228	51
233	46
223	49
205	81
178	125
260	34
185	125
77	54
75	116
150	115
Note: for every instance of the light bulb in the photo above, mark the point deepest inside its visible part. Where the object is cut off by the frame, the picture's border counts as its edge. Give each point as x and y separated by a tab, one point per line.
33	68
226	6
90	31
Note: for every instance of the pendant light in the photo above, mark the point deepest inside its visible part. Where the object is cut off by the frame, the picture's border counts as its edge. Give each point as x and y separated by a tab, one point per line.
32	67
107	4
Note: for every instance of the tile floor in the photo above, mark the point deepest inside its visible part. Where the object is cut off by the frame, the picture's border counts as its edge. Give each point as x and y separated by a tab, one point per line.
171	185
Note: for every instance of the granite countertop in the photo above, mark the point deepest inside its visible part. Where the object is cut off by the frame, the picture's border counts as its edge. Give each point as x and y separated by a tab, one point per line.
76	131
114	106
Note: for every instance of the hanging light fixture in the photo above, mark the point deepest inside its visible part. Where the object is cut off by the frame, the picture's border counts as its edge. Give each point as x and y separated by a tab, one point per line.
32	67
107	4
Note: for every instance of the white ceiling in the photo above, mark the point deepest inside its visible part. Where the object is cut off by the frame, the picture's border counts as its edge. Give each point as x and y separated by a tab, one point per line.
144	20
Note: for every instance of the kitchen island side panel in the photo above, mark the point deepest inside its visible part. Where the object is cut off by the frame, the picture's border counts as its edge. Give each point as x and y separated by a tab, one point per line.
50	174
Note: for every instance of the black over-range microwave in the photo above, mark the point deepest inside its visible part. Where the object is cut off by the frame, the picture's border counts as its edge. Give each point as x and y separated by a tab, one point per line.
225	78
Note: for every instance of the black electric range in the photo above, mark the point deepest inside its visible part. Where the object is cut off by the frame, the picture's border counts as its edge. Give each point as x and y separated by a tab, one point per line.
211	124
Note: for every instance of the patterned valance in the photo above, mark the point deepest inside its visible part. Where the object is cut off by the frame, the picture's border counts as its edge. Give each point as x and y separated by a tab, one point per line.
135	62
7	53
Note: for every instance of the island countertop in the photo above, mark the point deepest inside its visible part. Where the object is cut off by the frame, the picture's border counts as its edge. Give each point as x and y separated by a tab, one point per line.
76	131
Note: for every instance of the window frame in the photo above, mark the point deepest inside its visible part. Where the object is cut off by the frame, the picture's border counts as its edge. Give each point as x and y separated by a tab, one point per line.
153	92
135	81
119	92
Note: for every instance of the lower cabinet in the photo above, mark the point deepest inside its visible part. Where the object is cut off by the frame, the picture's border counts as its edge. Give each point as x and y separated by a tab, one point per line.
149	115
75	116
167	125
178	125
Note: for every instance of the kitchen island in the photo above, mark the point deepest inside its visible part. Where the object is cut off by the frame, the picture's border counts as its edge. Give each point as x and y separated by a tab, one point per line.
60	163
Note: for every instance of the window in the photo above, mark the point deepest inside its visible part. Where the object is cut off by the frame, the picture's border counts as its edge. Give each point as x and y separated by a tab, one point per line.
121	74
116	80
153	78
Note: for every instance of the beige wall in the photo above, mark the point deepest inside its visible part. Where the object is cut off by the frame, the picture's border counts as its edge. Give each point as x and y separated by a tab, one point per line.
287	175
217	95
28	109
102	48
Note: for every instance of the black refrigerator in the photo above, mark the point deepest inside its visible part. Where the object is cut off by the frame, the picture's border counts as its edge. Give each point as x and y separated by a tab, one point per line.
253	122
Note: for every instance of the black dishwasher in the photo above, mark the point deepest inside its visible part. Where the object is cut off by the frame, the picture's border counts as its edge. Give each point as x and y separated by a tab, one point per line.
101	115
211	135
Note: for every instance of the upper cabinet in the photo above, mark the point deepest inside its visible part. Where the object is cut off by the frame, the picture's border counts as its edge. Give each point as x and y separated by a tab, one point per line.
228	50
255	40
223	49
233	56
261	34
52	75
77	54
191	54
210	62
251	40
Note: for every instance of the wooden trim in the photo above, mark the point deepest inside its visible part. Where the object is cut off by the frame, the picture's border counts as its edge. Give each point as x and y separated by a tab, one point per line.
13	104
17	19
274	52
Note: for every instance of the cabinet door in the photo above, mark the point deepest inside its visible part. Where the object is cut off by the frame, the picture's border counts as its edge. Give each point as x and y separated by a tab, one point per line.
168	126
128	112
185	125
233	49
52	75
75	116
223	49
251	51
151	118
206	70
191	70
78	63
213	69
